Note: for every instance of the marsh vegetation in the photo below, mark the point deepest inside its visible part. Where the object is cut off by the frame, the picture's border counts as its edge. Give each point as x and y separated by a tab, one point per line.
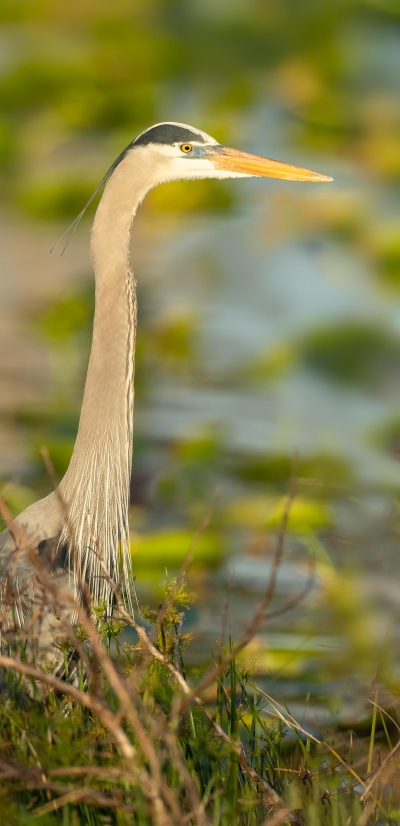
268	353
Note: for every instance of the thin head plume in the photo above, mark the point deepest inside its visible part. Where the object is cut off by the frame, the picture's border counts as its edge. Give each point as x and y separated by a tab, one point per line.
71	229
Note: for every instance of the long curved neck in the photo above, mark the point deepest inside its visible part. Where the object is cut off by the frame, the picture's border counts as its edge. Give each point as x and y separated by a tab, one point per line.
95	488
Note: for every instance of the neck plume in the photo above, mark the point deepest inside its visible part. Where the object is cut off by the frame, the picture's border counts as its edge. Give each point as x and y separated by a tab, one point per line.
94	493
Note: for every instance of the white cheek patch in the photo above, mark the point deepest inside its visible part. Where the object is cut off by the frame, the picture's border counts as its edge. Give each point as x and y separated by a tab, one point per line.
192	167
225	173
189	162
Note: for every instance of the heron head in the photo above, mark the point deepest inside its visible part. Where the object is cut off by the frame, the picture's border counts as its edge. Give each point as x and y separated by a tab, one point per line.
174	151
179	151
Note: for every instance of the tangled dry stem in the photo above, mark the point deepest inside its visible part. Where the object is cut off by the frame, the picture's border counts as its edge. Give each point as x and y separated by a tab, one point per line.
141	758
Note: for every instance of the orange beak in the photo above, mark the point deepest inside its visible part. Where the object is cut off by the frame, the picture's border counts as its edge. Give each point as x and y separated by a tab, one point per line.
233	160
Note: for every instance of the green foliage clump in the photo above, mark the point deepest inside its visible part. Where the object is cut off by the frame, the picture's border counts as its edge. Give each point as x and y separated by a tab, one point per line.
221	751
352	353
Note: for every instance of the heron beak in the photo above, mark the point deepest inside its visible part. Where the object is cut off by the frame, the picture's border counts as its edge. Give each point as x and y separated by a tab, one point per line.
233	160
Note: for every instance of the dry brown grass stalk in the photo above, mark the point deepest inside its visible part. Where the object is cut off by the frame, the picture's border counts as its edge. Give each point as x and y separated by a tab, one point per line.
142	761
143	733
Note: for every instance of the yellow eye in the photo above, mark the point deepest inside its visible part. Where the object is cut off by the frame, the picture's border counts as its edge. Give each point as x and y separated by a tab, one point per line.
186	147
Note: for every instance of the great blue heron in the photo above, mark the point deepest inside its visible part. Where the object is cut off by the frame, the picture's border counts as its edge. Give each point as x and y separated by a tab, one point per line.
82	527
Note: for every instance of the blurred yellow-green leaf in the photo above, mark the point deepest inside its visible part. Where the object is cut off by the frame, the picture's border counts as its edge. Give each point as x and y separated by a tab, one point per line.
68	316
168	549
18	497
306	514
56	199
271	364
200	196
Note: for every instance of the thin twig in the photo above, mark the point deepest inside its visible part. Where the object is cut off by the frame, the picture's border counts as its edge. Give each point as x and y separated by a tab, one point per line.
379	770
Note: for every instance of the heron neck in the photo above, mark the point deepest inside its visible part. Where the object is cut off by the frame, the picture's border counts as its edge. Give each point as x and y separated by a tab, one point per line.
95	488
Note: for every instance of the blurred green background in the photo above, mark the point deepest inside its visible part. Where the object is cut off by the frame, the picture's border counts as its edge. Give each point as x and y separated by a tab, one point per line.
269	317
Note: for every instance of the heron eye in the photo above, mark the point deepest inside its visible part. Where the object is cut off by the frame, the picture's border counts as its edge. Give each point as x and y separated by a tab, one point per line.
186	147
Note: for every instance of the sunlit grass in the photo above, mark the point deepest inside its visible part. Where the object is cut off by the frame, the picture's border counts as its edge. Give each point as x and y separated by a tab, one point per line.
132	733
228	752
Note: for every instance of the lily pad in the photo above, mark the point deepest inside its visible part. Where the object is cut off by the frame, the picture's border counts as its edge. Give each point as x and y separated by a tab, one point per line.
267	512
168	549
